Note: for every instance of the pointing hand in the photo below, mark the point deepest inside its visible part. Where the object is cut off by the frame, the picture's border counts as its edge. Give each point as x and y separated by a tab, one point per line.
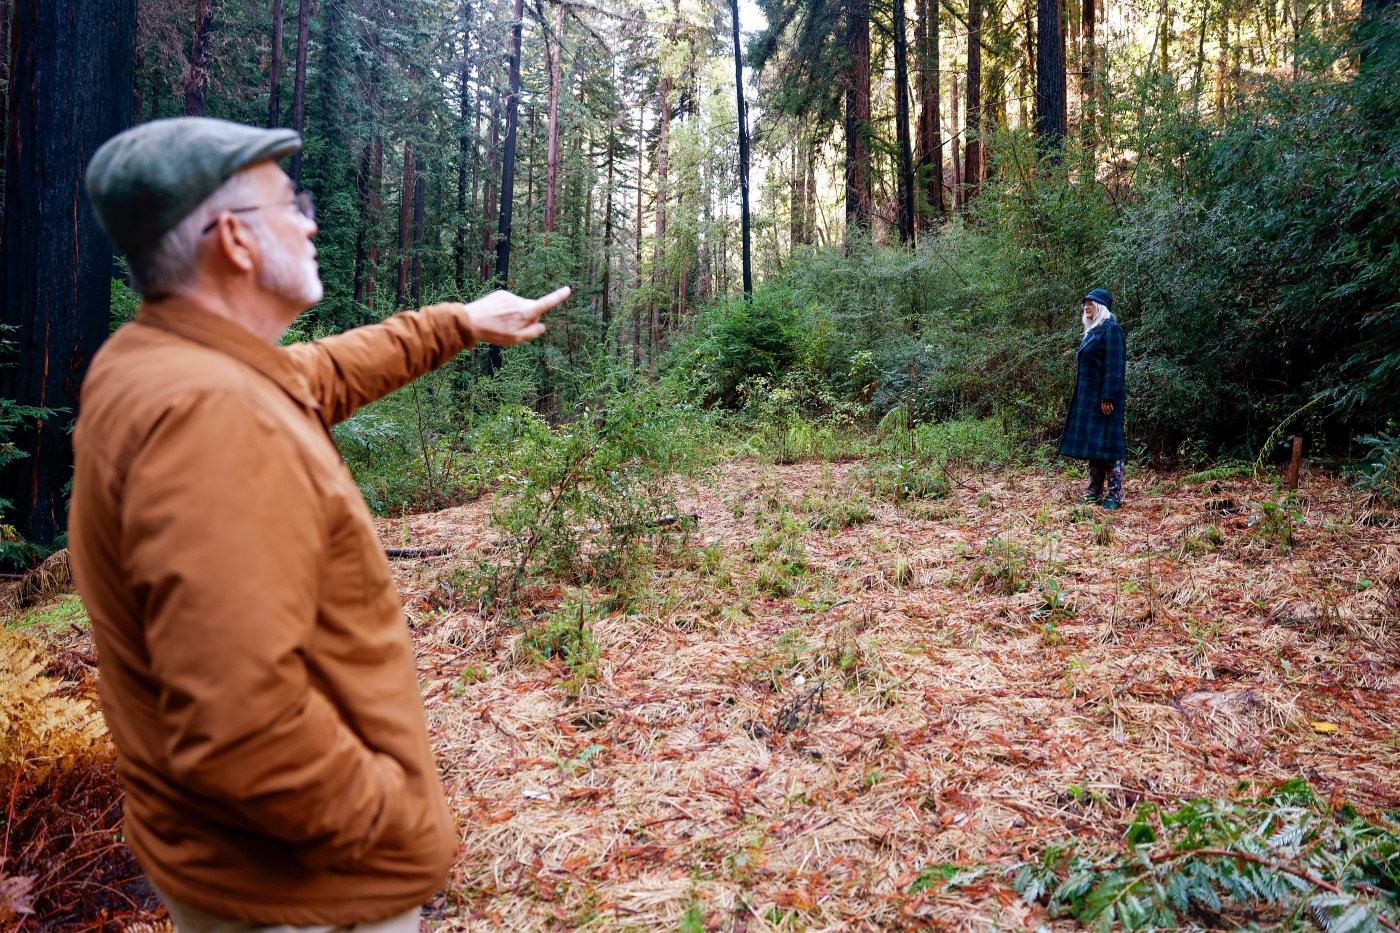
505	319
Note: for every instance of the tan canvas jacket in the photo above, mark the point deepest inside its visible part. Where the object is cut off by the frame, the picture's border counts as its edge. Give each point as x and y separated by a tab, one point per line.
256	670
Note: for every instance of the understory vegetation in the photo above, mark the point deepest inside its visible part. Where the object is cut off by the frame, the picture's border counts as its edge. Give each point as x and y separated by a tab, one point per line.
1254	258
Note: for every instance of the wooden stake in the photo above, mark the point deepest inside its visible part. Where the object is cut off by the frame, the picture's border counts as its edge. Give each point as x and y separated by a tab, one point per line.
1296	464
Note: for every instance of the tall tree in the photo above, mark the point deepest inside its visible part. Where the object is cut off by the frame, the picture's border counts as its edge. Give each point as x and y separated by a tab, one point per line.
606	312
1087	89
1050	77
420	195
197	77
406	197
858	115
55	288
930	161
552	154
743	148
972	123
901	118
464	145
508	169
274	100
299	85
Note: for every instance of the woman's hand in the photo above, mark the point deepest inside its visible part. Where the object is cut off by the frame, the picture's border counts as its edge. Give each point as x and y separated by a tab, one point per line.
1106	407
506	320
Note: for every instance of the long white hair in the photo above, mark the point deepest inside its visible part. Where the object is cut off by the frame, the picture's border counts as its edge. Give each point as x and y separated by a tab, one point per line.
1101	314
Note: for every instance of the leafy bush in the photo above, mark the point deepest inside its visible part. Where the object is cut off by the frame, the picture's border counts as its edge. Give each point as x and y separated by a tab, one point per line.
1219	863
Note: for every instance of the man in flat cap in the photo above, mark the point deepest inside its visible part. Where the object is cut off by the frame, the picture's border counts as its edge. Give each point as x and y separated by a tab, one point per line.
256	672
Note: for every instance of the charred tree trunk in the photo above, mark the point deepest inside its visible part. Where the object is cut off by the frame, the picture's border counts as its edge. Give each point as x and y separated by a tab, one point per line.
299	87
502	275
743	149
972	123
858	115
56	265
901	118
274	101
551	177
930	167
197	80
1050	78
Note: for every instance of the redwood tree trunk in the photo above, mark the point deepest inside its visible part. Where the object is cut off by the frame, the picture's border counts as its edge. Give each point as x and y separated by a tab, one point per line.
274	102
463	146
552	160
299	87
493	358
972	124
901	119
743	148
1049	77
56	265
420	194
608	237
641	176
1088	85
659	228
858	115
930	166
488	195
197	80
405	223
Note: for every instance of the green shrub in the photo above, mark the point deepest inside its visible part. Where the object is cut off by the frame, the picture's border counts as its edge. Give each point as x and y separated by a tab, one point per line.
1285	856
1380	476
581	494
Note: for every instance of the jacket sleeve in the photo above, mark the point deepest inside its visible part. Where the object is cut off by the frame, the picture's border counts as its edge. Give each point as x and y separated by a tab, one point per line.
224	541
355	368
1115	362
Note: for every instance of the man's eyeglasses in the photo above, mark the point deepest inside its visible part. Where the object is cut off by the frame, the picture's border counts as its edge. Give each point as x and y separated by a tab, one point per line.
302	202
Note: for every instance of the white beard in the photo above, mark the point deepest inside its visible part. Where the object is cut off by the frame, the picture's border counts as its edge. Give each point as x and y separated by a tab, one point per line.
296	280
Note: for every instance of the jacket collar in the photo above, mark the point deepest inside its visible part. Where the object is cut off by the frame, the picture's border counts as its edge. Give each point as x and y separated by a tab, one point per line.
184	317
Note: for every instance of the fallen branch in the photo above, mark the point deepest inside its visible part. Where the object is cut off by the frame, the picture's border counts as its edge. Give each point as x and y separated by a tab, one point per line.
1294	870
399	553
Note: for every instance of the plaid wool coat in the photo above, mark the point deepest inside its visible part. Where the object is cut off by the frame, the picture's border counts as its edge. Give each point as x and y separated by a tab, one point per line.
1089	433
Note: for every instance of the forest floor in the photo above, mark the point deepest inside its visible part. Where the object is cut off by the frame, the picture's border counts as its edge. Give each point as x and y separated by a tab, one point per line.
952	683
867	733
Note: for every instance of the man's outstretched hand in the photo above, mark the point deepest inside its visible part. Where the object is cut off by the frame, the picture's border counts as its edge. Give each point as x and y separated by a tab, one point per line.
505	319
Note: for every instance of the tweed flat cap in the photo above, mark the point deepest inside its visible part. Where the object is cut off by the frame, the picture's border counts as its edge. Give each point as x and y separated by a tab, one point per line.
146	180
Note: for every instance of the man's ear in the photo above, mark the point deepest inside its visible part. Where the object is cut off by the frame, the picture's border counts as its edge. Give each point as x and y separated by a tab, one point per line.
235	243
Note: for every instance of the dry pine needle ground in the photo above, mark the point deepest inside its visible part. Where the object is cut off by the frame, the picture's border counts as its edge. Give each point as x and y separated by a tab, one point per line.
959	681
1002	668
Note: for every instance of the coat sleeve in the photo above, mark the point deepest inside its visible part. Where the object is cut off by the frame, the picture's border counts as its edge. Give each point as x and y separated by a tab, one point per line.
353	369
225	542
1115	362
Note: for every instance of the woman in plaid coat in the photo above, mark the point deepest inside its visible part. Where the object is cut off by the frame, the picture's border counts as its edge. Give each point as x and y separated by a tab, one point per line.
1094	428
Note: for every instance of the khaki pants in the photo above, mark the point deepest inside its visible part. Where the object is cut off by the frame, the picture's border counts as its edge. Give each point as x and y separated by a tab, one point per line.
193	920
